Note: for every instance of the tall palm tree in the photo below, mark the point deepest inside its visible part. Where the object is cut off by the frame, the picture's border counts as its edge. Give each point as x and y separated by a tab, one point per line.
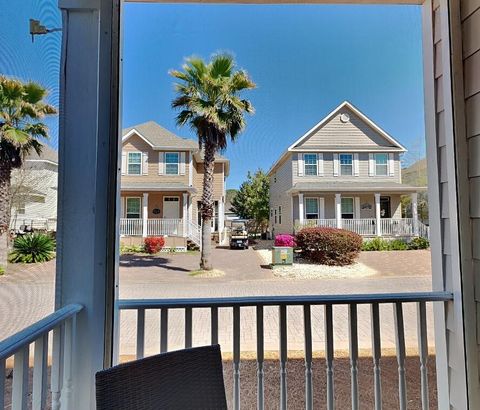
22	106
208	98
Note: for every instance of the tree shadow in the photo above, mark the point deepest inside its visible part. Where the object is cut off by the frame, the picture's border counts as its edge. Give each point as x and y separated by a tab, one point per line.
149	261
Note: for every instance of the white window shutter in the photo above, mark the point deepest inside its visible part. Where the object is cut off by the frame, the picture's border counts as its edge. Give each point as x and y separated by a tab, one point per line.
391	164
145	163
300	164
320	164
161	163
357	207
371	165
321	208
182	163
124	162
356	165
335	165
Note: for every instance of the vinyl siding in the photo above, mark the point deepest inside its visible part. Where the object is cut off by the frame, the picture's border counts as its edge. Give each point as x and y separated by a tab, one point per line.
137	144
470	15
218	185
278	197
363	176
155	200
352	133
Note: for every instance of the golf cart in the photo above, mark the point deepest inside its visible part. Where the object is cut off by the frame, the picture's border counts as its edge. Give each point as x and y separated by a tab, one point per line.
239	235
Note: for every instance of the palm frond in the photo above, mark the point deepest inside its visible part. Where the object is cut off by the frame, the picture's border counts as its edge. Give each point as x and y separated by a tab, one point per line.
221	66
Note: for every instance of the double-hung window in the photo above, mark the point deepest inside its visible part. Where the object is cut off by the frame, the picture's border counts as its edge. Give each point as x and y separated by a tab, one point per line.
310	164
171	163
133	206
280	215
381	164
346	164
134	163
347	208
311	208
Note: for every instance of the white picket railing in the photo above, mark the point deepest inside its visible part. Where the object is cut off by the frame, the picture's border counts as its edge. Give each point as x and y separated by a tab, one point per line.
329	302
44	224
165	227
364	226
131	226
62	324
194	233
309	223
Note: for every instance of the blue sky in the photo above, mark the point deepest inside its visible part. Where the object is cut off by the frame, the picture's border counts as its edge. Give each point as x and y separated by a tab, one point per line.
304	59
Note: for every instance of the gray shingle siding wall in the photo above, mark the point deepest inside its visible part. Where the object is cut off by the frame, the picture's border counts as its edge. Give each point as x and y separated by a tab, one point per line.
278	197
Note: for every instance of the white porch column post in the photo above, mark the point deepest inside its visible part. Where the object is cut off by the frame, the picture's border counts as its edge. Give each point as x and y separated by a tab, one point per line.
377	214
87	230
301	212
185	213
145	215
338	210
221	214
414	200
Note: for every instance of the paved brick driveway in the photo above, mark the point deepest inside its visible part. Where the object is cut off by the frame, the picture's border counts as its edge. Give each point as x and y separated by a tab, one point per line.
26	295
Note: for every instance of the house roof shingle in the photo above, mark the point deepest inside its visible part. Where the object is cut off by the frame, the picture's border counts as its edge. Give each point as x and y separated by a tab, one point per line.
160	137
47	154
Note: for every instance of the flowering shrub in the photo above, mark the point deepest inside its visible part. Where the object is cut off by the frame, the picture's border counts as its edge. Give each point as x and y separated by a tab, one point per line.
154	244
329	246
285	239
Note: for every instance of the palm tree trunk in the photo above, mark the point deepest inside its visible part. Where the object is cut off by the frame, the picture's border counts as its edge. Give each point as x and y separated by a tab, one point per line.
207	206
5	175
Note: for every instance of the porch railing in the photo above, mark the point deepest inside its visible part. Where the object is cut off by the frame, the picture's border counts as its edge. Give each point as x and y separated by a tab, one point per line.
161	226
284	303
394	227
131	226
18	347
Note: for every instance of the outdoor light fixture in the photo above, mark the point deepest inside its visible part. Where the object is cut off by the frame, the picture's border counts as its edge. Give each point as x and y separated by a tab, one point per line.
37	29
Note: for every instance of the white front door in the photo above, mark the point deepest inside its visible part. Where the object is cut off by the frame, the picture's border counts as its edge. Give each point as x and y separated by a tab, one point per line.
171	207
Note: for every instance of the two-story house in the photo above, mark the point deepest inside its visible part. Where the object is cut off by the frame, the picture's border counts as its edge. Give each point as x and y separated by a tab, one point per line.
345	172
161	187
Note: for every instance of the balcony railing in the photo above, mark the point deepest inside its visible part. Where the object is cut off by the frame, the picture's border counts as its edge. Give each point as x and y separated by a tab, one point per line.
392	227
284	303
36	336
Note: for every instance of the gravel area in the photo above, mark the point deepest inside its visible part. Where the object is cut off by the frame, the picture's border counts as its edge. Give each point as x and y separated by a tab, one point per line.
304	270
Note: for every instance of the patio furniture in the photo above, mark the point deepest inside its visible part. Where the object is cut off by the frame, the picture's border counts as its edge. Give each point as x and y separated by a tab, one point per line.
185	379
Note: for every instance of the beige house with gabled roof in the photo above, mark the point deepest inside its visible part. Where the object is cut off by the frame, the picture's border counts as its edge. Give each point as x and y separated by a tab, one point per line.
161	186
344	172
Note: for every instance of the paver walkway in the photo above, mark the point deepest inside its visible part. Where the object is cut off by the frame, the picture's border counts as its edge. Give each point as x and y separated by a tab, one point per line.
26	295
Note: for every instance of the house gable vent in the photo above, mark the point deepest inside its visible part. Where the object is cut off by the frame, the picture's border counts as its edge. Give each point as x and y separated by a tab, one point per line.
344	118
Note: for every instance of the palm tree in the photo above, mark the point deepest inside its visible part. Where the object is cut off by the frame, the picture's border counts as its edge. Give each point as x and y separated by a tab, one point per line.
22	106
208	100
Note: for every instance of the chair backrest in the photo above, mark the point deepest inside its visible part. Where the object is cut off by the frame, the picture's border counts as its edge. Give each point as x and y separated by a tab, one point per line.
186	379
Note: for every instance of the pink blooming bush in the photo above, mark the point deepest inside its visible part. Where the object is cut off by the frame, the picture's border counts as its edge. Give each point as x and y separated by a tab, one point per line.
285	239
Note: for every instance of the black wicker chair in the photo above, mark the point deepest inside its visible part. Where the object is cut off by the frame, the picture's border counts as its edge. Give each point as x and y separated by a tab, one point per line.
190	379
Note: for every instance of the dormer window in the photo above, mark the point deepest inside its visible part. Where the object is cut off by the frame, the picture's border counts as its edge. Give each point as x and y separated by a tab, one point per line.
346	164
310	161
381	164
171	163
134	162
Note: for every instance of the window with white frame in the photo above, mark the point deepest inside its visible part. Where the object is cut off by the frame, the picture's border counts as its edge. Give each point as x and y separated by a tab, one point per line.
346	164
172	163
133	208
310	164
134	163
21	207
275	217
347	208
381	164
311	208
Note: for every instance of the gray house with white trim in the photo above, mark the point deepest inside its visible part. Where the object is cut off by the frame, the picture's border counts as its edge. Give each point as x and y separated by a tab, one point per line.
344	172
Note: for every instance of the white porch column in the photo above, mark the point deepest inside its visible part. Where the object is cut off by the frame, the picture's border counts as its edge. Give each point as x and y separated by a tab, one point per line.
414	200
338	210
87	234
185	213
145	214
377	214
301	212
221	215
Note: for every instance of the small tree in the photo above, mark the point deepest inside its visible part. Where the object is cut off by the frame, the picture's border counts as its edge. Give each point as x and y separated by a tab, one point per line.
252	199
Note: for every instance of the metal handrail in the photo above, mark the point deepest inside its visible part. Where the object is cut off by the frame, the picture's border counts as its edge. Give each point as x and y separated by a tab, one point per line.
14	343
285	300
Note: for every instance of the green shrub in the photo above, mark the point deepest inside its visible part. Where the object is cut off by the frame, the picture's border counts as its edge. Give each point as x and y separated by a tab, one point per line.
375	244
398	245
33	248
419	243
126	249
329	246
2	270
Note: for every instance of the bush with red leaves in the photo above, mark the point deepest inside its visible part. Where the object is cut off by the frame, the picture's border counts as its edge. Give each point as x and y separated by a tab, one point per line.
154	244
329	246
285	239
